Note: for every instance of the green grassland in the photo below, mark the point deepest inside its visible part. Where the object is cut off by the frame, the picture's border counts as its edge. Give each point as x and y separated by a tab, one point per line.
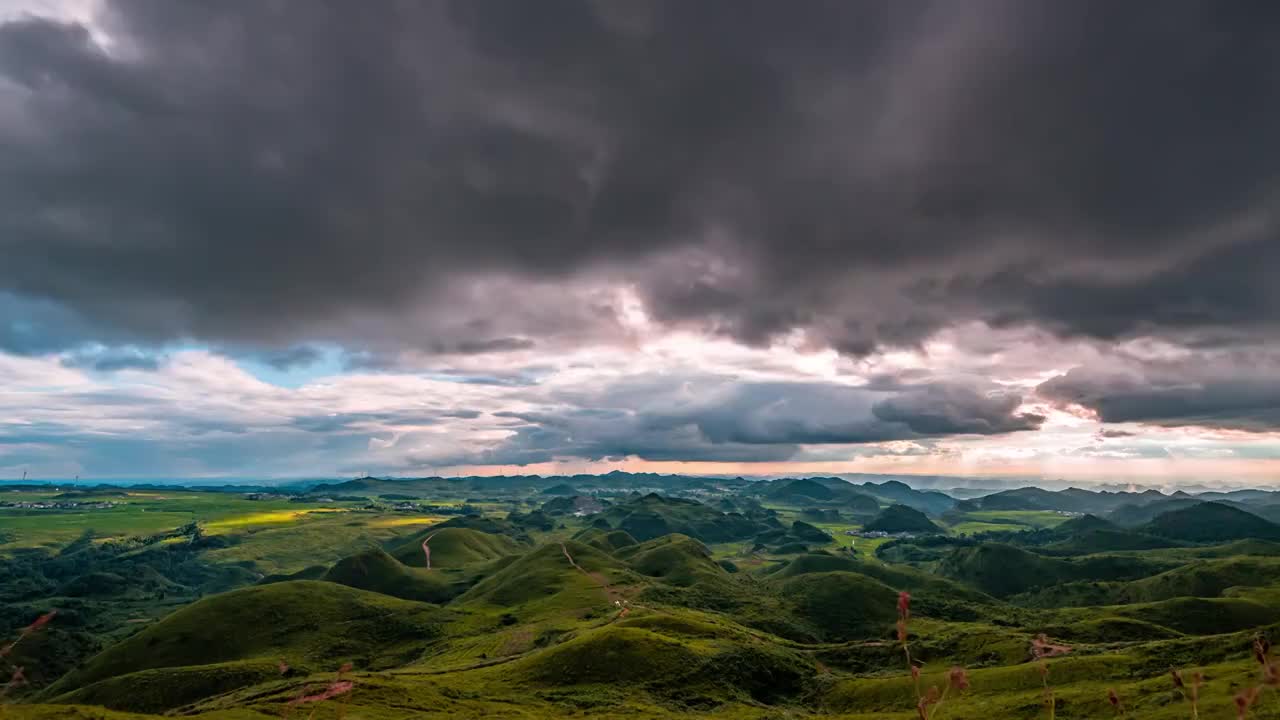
143	513
210	605
1023	518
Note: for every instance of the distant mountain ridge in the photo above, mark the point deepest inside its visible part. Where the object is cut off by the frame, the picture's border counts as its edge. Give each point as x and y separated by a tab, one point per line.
837	496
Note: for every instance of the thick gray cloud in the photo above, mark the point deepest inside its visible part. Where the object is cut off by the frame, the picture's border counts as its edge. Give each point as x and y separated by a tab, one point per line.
955	409
719	419
426	174
1235	390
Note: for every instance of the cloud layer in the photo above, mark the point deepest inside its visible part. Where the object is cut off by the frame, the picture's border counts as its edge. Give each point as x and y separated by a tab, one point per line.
974	217
1231	390
868	172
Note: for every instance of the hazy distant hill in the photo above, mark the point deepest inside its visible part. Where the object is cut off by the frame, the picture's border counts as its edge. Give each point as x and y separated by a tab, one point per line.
893	491
1211	522
821	491
614	482
653	515
1069	500
1133	515
901	518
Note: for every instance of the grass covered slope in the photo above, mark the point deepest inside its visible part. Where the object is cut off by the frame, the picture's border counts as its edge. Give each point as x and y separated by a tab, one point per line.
454	547
1211	522
841	606
930	588
304	623
1199	579
653	515
610	655
901	518
1001	570
376	571
677	661
676	559
608	541
579	618
162	689
545	580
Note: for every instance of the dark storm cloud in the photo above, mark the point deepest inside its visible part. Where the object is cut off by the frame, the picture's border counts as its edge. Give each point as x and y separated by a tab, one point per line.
1237	390
717	419
954	409
477	347
281	172
36	327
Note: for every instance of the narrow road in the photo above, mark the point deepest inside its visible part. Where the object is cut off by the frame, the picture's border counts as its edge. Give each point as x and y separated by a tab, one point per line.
427	550
599	579
565	549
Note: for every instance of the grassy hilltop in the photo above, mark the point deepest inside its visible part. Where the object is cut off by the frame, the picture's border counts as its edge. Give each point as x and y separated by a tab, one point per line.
756	600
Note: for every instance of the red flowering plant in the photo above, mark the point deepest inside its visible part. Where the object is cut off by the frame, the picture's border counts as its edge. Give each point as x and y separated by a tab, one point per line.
1041	650
1190	691
339	688
17	674
929	703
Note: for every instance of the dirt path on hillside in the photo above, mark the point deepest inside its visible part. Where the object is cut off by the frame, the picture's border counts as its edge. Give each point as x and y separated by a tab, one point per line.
426	550
599	579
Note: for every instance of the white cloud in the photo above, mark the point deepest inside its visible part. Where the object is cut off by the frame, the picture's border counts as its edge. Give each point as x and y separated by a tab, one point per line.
203	413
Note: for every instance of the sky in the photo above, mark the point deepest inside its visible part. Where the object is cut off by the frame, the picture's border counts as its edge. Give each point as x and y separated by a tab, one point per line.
300	238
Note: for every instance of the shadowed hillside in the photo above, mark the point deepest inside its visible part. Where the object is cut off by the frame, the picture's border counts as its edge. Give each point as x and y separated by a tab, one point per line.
1211	522
303	623
900	518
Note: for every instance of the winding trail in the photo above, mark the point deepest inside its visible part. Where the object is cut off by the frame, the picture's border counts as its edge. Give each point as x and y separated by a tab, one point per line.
602	582
427	550
565	549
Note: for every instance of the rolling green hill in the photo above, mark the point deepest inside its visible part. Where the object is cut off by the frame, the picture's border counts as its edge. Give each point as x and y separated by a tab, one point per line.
676	559
1104	540
1200	578
1132	515
615	655
544	581
653	515
894	491
1003	570
802	489
841	606
580	617
1211	522
304	623
900	518
454	547
376	571
928	586
1082	524
607	540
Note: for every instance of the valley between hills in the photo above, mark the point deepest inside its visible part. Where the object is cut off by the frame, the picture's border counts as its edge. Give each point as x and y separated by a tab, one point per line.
635	596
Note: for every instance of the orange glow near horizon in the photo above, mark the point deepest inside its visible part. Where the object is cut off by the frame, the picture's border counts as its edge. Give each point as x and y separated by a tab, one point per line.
1265	472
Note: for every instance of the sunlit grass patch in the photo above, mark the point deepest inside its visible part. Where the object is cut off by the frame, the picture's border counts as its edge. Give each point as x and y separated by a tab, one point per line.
316	538
973	528
54	528
273	517
1029	518
385	522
